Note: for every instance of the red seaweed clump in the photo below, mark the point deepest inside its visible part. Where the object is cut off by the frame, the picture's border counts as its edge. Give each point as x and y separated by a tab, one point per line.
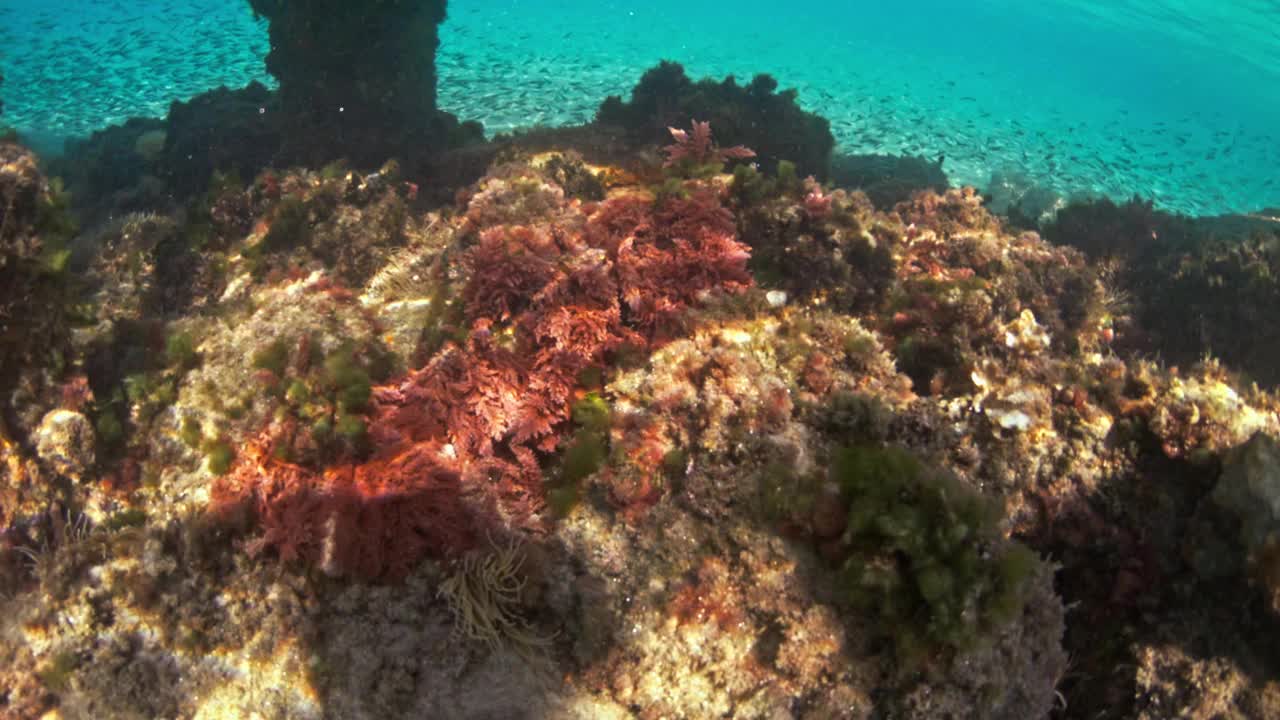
454	448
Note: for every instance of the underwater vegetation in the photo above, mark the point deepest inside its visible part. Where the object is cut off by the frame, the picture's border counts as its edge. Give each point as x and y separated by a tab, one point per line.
878	429
924	551
553	289
888	179
337	100
360	416
1199	286
36	227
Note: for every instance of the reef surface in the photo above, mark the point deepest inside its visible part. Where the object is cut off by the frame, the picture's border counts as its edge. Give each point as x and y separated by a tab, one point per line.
662	416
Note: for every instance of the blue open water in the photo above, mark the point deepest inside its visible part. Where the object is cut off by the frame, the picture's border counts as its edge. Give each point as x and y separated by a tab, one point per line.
1179	101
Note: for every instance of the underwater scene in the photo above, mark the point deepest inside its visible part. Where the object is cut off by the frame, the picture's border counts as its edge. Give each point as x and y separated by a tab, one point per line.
533	360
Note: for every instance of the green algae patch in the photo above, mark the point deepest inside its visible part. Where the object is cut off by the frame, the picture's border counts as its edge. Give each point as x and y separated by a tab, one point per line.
925	554
219	455
592	413
127	518
350	382
586	453
274	357
180	351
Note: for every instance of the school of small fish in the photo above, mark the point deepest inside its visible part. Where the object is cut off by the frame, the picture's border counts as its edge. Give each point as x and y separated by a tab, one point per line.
513	65
75	66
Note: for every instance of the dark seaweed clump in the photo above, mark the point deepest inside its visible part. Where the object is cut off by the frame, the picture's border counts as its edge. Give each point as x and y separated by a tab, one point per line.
769	122
1198	286
888	179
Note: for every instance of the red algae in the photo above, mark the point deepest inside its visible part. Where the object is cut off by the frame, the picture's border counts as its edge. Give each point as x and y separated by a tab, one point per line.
456	445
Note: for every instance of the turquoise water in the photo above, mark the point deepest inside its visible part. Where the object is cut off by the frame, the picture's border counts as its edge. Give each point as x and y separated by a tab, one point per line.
1178	101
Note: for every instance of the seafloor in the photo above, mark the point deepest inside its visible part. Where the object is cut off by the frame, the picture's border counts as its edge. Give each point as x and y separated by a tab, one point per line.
673	414
1077	98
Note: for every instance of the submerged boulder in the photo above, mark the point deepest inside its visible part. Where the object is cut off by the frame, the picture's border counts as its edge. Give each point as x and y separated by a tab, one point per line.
1250	490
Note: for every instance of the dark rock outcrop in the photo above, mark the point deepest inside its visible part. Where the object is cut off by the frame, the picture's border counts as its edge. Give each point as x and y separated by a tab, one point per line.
356	76
770	123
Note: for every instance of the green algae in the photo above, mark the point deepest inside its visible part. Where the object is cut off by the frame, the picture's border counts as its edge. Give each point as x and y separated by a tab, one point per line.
290	225
274	357
351	383
584	456
925	554
109	428
675	464
783	495
752	188
586	453
127	518
180	351
219	455
190	433
351	427
592	413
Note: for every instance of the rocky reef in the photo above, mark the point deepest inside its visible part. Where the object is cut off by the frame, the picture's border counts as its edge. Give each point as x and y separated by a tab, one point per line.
670	435
1200	286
